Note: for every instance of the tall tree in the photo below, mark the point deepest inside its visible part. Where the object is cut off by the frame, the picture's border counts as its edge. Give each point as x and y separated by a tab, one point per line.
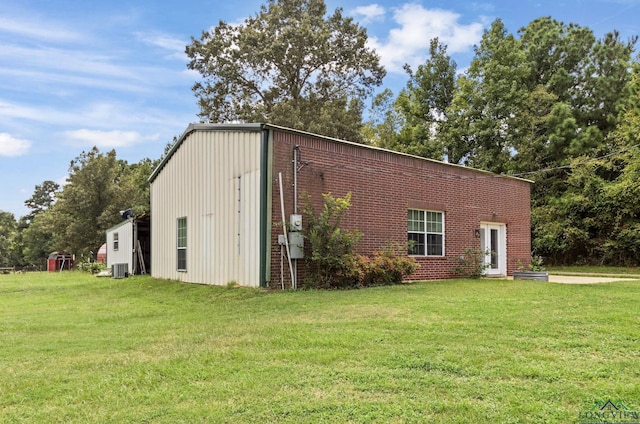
42	199
84	209
98	187
38	239
8	232
588	79
133	185
595	218
484	111
424	103
289	65
384	123
555	53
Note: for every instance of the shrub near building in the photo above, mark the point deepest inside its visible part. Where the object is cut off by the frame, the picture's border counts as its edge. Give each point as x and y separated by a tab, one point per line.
333	262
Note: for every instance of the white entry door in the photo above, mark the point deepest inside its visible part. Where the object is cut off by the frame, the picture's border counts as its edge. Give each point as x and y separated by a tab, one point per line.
493	242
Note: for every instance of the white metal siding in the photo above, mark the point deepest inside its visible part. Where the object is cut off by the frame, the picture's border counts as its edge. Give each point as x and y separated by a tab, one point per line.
124	254
213	179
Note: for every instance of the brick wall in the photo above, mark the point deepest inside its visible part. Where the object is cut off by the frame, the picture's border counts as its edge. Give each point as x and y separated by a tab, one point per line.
384	185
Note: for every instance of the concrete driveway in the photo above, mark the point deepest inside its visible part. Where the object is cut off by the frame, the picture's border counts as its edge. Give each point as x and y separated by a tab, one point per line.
578	279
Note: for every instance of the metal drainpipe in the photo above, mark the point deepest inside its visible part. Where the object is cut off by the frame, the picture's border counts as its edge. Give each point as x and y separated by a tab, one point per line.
295	179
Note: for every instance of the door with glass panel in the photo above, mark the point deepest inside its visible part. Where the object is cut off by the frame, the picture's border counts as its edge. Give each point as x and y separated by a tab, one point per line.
493	243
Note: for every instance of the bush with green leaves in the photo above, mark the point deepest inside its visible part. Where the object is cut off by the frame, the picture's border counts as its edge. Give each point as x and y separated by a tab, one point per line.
536	264
333	263
332	259
90	267
386	267
471	263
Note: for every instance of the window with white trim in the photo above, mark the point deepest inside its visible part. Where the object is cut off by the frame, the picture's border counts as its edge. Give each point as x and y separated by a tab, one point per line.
115	241
425	232
182	244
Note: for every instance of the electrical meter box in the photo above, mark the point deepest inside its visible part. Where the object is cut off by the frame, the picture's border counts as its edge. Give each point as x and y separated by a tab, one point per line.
295	223
296	245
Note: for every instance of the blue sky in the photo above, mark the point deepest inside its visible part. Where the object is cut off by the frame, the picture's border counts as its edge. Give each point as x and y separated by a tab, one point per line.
77	73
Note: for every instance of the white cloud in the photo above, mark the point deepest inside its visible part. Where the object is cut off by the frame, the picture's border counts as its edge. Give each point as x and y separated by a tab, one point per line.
417	26
107	139
371	13
483	7
75	61
11	146
176	46
38	30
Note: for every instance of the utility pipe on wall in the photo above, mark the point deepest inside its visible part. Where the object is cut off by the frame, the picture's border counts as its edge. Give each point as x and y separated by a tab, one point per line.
284	231
295	179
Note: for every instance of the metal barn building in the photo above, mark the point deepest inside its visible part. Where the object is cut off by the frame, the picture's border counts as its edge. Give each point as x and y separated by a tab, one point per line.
208	198
217	202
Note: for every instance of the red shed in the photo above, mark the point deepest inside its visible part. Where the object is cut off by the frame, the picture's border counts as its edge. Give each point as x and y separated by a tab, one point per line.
102	254
58	261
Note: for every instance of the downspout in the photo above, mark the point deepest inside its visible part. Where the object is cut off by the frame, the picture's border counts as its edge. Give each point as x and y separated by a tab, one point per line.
265	232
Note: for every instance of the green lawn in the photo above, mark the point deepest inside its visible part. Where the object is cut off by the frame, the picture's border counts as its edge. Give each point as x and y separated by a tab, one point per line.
78	349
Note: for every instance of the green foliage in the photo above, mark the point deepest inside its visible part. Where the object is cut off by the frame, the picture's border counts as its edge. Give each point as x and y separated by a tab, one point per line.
384	121
289	65
535	264
424	103
37	239
555	105
43	197
471	263
84	265
332	260
484	111
333	263
8	235
386	267
98	187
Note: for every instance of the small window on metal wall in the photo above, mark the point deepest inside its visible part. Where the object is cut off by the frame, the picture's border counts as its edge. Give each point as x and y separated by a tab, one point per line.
182	244
115	241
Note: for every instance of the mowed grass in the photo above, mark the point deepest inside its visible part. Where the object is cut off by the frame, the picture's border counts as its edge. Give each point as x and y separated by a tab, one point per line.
78	349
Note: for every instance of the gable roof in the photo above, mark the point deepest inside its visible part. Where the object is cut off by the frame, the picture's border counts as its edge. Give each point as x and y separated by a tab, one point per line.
202	127
257	127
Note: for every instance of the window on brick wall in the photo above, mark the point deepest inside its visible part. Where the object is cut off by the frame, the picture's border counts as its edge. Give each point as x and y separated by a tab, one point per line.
425	232
182	244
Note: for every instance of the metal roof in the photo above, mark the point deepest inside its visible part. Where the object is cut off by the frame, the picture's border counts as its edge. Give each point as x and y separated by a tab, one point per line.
248	127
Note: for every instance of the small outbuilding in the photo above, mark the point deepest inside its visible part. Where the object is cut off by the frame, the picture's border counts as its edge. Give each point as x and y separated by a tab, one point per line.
128	247
102	254
59	261
224	193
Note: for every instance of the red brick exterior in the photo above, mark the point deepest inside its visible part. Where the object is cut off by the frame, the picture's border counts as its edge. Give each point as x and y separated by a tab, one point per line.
384	185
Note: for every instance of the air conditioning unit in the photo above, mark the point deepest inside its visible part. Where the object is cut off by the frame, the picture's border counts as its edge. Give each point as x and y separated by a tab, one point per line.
119	270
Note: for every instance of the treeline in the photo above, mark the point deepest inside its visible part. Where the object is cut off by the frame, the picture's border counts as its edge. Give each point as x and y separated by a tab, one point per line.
551	103
73	218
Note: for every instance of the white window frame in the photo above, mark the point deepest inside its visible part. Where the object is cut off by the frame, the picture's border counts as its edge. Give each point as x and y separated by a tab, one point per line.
116	241
181	244
425	229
